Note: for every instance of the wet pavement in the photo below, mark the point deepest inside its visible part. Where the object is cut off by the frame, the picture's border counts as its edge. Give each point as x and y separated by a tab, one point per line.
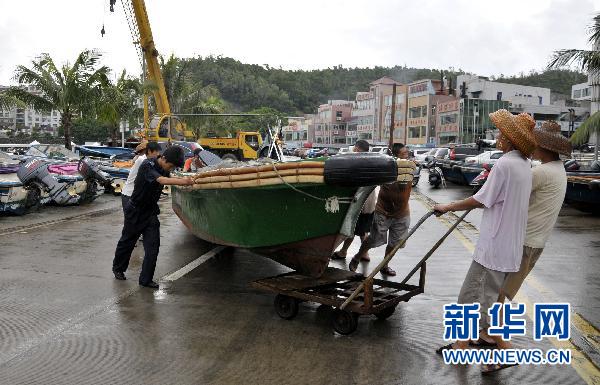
65	320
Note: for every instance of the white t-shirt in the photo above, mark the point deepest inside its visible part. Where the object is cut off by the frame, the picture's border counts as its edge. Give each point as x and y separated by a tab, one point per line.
371	202
129	184
505	196
548	190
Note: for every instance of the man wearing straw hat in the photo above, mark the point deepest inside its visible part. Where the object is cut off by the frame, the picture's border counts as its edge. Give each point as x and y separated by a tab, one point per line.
505	200
549	185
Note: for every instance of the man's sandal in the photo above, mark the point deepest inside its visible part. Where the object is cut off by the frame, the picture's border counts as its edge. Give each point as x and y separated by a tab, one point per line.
487	369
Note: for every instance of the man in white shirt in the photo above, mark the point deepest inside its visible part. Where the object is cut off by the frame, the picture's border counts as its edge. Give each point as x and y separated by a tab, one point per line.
505	199
144	151
548	189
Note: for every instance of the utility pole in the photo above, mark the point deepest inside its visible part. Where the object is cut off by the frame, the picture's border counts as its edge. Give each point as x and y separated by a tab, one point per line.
392	116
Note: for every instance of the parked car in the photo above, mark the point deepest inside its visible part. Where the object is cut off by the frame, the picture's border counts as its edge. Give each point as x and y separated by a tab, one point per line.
442	153
489	157
345	150
313	152
460	153
420	153
380	149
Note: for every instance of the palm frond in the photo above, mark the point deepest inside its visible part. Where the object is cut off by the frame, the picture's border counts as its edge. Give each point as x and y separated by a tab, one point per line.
591	124
585	60
594	31
38	103
7	102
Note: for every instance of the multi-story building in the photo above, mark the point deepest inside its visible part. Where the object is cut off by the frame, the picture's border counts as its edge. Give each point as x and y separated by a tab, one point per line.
447	121
423	96
399	115
362	123
331	121
581	91
27	119
296	133
479	87
369	111
474	120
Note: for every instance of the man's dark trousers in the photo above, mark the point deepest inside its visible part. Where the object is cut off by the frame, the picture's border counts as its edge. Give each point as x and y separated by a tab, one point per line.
137	224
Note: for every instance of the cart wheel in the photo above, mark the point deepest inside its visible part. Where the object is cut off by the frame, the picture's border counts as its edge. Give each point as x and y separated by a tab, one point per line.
286	307
344	322
385	313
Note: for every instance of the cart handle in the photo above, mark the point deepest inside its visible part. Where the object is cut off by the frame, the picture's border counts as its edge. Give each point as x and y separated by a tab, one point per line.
399	245
434	248
387	258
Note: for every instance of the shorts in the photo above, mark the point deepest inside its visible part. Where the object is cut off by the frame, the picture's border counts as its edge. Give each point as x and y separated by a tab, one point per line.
397	228
363	224
515	280
482	285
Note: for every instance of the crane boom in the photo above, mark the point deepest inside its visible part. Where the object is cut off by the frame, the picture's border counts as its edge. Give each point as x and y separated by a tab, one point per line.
150	56
163	126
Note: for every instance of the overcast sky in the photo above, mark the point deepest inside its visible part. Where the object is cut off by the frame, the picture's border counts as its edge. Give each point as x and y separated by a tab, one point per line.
484	37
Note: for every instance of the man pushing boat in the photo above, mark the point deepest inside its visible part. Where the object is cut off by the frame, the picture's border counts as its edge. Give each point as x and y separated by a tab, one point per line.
141	213
392	215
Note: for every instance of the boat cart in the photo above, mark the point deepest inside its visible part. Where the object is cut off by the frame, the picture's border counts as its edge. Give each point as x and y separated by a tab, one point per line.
350	294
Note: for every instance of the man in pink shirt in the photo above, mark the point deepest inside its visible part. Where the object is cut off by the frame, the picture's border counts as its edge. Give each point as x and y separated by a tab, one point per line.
505	200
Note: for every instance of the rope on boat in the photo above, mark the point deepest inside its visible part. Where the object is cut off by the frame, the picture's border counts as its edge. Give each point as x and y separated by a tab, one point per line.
332	204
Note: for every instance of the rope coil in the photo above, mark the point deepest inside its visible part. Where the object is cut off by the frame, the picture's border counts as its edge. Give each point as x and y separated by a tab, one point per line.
332	204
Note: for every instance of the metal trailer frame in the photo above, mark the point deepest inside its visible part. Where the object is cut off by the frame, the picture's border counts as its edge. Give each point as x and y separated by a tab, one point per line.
349	293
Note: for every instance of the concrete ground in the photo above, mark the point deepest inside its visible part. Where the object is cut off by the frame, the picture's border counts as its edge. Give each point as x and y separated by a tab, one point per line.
65	320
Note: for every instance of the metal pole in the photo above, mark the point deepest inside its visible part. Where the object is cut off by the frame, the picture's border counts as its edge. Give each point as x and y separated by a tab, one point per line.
392	116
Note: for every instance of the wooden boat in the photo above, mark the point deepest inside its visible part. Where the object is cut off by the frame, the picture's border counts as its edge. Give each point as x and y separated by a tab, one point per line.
583	190
295	213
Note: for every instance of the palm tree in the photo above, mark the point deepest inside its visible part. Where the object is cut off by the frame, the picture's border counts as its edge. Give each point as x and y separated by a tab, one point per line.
119	103
70	90
588	61
175	74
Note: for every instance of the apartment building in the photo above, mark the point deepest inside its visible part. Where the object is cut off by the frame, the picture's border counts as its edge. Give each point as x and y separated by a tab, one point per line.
331	122
27	119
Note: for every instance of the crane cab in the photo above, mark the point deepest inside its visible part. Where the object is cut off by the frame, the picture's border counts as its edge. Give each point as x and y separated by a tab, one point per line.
163	128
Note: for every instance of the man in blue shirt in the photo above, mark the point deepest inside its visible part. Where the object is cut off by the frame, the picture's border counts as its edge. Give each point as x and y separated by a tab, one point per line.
141	214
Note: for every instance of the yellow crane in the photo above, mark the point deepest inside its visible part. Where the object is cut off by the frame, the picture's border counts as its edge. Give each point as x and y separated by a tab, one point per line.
164	126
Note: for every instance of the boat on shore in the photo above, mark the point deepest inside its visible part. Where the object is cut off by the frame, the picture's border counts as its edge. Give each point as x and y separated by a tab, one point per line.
295	213
583	191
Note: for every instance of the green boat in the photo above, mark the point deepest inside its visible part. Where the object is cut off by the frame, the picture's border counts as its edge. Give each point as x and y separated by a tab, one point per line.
296	224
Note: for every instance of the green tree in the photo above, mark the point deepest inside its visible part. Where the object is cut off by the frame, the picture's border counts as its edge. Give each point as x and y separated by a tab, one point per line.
118	103
589	61
174	72
71	89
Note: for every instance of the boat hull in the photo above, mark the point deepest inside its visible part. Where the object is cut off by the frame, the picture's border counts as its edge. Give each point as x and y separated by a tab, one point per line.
288	226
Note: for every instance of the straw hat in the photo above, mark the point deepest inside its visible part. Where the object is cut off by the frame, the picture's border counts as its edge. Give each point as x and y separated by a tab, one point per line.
518	129
549	137
142	146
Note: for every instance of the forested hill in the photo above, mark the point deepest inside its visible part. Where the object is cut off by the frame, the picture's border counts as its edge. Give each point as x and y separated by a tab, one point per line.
248	86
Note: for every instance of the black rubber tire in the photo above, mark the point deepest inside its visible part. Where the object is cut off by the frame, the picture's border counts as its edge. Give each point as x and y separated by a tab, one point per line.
344	322
360	169
286	307
229	157
386	313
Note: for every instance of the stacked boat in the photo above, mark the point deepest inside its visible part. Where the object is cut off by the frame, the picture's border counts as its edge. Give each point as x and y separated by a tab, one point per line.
51	174
296	213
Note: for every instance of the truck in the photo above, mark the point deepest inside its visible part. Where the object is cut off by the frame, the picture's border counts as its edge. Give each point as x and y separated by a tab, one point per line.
244	146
